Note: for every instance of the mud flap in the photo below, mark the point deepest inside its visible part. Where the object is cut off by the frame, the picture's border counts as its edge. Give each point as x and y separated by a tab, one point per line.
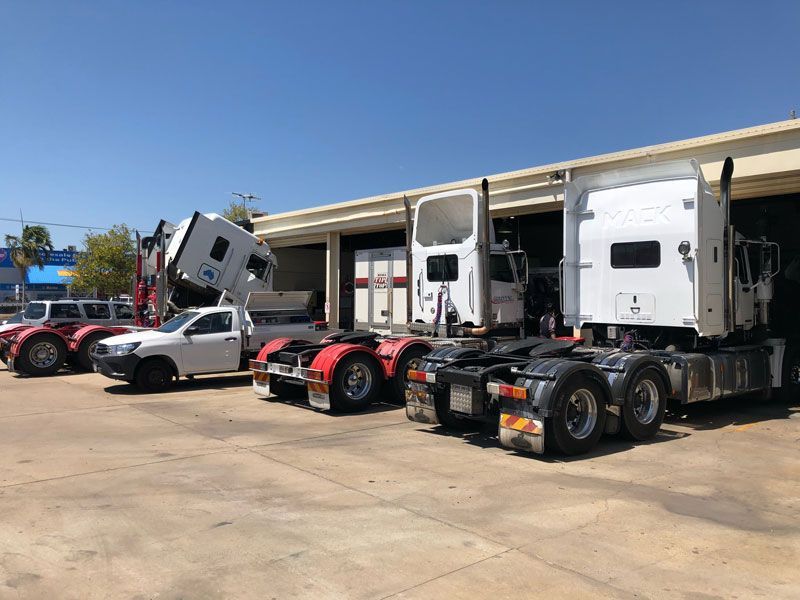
420	406
613	419
319	395
261	383
521	428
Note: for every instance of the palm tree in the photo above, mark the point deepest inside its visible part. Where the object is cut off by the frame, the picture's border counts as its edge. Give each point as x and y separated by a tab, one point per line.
32	248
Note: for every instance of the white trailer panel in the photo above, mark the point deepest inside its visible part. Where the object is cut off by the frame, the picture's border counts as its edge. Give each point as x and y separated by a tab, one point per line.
380	294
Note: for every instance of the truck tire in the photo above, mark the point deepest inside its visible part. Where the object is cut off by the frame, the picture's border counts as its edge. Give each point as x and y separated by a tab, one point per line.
356	383
410	359
790	375
41	355
278	387
579	417
645	404
87	346
154	375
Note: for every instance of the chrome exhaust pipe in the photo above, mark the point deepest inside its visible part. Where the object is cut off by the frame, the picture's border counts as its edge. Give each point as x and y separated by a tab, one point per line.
729	236
409	264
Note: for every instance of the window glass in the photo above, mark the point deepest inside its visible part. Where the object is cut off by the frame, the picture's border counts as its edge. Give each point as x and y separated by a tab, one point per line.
35	310
219	249
500	268
123	311
741	261
97	311
443	267
220	322
64	311
177	322
636	255
258	266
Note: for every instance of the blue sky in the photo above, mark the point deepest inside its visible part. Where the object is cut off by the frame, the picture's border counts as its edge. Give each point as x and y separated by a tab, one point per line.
116	111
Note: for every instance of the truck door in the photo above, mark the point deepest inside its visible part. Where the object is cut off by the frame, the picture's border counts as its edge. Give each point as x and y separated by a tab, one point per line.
507	300
211	344
380	291
745	306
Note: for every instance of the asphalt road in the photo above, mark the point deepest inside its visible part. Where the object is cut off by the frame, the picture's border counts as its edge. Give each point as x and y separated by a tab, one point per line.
210	492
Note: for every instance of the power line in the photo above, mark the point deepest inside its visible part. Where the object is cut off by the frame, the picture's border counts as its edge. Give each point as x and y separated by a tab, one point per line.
63	225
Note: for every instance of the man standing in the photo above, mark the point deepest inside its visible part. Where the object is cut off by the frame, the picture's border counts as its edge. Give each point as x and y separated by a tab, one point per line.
547	324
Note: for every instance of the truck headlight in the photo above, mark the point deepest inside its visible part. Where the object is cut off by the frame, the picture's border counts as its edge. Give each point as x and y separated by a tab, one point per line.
121	349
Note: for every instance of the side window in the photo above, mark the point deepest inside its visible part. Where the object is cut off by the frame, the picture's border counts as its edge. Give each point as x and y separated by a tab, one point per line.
219	249
258	266
220	322
740	265
123	311
635	255
500	268
35	310
97	311
443	267
64	311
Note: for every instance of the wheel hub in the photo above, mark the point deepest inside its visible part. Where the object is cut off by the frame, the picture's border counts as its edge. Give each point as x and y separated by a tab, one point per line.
357	381
581	414
43	355
645	401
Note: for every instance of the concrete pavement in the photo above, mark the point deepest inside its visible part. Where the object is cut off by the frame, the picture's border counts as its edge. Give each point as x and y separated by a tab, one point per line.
209	492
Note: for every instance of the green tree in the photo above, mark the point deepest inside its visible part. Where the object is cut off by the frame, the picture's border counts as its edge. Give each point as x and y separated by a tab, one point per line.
107	262
30	249
236	211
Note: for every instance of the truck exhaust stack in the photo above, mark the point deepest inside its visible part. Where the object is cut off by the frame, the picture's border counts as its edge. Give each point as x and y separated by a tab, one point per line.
486	252
725	202
409	268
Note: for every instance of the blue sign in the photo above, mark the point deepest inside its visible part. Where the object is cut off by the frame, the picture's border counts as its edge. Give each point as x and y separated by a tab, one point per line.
208	273
58	258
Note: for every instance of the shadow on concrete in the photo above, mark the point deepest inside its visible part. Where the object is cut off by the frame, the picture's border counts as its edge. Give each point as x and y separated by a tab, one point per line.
209	382
302	403
738	411
608	444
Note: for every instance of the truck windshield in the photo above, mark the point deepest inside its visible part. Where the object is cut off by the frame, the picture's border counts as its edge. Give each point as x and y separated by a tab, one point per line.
176	323
35	310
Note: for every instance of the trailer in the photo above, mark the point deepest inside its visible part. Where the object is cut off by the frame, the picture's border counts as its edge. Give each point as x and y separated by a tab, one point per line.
672	302
457	288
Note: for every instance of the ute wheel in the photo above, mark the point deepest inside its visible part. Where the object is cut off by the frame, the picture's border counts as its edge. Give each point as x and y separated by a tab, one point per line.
356	383
790	375
645	404
87	347
155	375
41	355
410	359
579	417
280	388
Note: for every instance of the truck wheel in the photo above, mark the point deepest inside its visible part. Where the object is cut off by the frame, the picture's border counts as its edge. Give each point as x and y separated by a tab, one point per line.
154	376
356	383
41	355
87	347
578	419
645	404
790	376
278	387
410	359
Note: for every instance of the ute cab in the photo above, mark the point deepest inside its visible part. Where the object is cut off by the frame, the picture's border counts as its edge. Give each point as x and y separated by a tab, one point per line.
448	293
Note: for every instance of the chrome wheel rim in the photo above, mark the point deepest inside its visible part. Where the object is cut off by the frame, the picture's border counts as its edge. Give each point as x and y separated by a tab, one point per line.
645	401
581	414
357	381
43	355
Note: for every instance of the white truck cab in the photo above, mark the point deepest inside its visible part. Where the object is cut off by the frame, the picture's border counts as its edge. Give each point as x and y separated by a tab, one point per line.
449	266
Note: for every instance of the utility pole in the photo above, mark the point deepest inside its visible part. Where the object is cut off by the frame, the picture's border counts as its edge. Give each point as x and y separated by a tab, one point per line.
22	234
245	199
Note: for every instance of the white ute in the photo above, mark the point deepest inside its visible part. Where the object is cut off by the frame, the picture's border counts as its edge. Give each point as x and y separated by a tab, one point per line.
212	339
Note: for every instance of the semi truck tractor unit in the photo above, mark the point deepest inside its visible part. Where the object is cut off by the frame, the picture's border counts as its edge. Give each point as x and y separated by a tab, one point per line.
458	288
670	301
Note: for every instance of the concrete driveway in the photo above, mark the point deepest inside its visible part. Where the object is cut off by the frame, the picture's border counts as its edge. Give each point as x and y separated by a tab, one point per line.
209	492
